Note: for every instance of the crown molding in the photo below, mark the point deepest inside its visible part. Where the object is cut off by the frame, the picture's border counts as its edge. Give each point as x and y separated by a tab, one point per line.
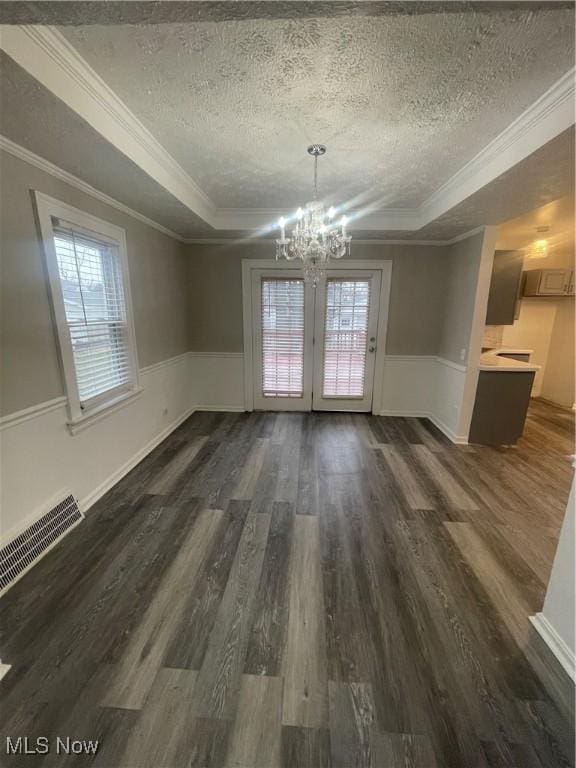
465	235
542	121
357	241
46	54
269	241
45	165
16	150
264	219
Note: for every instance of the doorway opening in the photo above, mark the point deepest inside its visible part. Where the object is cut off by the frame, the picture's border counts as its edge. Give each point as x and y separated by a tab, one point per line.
315	349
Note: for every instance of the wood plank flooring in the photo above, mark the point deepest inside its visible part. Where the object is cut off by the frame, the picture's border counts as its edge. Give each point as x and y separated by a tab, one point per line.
280	590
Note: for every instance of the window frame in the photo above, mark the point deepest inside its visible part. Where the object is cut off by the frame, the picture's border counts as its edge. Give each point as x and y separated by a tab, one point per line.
80	417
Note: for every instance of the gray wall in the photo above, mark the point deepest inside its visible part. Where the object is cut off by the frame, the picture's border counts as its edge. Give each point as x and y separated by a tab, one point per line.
416	300
158	279
459	296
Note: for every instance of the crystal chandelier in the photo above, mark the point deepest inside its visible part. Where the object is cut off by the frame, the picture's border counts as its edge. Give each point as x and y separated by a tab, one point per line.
315	237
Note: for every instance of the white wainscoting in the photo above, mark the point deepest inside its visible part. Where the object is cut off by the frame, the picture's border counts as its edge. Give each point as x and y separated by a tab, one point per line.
40	457
412	385
217	381
425	385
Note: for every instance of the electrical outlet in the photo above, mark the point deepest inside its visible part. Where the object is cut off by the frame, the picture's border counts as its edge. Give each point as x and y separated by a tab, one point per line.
463	354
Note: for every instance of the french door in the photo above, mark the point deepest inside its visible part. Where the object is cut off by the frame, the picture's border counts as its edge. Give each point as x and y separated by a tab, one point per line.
314	349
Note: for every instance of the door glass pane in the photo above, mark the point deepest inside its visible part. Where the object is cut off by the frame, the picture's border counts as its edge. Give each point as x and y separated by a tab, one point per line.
345	331
282	337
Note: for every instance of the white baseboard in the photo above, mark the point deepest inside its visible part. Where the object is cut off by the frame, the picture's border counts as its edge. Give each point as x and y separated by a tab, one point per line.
223	408
561	651
458	439
115	477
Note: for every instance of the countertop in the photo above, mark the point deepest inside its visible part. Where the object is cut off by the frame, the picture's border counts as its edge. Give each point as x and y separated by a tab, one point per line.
493	361
508	350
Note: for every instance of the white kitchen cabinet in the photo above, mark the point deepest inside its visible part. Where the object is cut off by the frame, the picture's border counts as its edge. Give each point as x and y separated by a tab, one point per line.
548	282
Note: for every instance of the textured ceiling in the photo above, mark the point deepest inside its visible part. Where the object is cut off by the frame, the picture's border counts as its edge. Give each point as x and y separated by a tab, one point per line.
32	117
402	99
558	216
543	176
161	12
36	120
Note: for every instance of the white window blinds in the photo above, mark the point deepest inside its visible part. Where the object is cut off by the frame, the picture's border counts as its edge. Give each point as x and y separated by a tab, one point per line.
346	326
92	289
282	337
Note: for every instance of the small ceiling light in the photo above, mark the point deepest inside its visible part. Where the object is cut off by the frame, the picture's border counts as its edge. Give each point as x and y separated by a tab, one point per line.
539	248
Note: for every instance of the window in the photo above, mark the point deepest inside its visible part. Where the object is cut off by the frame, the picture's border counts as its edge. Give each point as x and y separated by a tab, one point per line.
345	334
90	293
282	338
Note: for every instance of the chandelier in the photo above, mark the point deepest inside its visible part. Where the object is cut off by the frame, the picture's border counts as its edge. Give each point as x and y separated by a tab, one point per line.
315	237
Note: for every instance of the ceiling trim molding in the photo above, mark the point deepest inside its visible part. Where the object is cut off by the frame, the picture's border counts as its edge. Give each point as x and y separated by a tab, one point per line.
542	121
46	54
45	165
401	219
270	242
466	235
9	146
358	241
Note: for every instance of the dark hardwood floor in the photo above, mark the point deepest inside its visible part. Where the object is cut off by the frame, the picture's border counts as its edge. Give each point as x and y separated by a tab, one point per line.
300	590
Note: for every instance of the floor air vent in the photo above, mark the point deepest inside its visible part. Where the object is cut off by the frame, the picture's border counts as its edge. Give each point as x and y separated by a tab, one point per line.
27	548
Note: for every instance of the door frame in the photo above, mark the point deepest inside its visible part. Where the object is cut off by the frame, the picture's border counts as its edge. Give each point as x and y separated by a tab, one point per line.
249	265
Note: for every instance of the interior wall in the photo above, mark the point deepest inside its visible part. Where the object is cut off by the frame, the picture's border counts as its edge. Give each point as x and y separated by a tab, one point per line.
28	345
41	460
533	330
432	309
459	297
416	298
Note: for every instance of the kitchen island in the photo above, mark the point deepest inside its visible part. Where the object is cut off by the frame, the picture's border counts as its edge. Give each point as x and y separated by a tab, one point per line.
505	382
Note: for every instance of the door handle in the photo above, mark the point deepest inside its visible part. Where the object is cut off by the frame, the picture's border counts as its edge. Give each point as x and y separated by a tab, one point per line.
371	349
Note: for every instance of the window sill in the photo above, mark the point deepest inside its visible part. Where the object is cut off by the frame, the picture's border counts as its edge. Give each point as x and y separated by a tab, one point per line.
103	411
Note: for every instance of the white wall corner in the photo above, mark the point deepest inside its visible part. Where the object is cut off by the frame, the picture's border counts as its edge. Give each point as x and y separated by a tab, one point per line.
477	329
556	624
